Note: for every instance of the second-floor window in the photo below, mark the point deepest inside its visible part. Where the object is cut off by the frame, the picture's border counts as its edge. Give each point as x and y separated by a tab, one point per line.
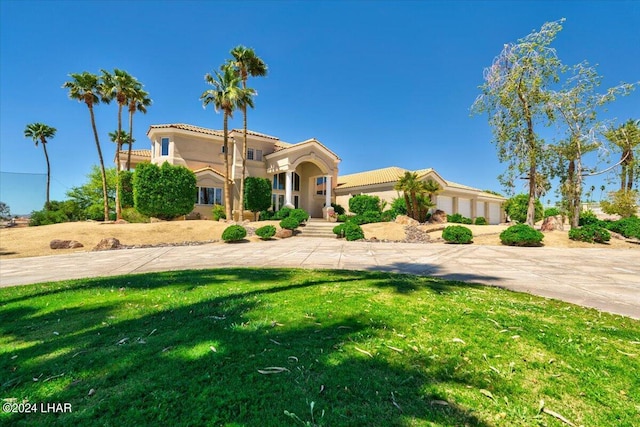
164	146
253	154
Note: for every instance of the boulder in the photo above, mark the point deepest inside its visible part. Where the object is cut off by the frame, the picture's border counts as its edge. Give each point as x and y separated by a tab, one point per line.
108	243
551	223
406	220
65	244
438	217
284	233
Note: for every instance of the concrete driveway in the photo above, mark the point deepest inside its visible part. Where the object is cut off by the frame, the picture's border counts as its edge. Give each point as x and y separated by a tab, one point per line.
606	279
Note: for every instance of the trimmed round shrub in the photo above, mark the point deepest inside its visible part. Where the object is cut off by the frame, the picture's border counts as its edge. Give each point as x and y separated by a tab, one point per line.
266	232
481	220
521	235
338	230
459	219
282	213
353	231
300	214
551	212
289	223
343	218
590	233
266	215
457	234
233	233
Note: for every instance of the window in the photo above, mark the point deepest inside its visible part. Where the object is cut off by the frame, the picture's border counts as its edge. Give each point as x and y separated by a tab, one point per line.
253	154
279	181
209	196
321	186
249	153
164	144
258	156
222	149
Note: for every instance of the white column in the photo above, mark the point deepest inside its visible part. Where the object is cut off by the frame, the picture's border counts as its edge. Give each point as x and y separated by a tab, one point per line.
327	199
287	190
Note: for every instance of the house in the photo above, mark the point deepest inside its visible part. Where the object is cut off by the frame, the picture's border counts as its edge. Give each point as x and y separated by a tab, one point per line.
303	175
454	198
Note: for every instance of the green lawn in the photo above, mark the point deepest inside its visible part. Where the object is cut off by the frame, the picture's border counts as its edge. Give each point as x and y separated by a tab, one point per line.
244	347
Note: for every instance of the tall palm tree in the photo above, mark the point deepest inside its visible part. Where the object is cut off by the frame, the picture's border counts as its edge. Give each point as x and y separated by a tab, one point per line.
122	136
415	195
117	86
85	87
40	132
226	96
138	101
627	139
246	63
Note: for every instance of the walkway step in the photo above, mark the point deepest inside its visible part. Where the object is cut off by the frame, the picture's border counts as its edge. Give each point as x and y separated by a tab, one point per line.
317	228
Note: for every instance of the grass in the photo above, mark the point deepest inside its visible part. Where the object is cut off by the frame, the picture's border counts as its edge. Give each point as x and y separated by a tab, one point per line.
255	347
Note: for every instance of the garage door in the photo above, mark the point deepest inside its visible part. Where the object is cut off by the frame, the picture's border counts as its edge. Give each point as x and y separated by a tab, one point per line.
464	207
494	213
445	203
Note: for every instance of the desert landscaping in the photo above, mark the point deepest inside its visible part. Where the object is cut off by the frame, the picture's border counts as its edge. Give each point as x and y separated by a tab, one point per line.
19	242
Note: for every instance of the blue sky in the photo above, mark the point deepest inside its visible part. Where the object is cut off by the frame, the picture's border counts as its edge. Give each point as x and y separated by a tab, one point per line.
380	83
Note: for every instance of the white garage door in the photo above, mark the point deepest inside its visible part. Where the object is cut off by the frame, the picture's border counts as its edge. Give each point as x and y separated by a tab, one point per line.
494	213
464	207
480	209
445	203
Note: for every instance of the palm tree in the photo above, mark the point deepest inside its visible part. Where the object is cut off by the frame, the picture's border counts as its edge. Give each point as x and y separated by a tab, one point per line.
627	139
138	101
40	132
416	195
123	136
117	86
84	87
226	96
246	63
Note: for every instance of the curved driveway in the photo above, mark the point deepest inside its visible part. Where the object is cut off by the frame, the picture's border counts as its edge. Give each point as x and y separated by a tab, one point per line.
606	279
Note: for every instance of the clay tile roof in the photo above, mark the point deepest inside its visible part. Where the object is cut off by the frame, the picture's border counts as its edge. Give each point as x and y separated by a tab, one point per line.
378	176
140	153
250	132
281	145
208	168
191	128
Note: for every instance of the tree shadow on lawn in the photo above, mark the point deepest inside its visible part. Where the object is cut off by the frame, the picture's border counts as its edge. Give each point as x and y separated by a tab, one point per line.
198	363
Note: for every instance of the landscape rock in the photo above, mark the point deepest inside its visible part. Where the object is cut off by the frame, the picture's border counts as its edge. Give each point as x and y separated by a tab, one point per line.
108	243
284	233
65	244
550	223
121	221
406	220
438	217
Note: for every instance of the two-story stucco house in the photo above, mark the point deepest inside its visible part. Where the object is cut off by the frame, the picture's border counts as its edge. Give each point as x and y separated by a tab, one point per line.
303	175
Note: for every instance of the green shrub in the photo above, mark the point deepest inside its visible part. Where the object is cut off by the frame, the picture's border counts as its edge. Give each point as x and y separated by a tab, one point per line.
339	210
164	192
126	189
338	230
257	194
399	206
459	219
234	233
516	207
290	223
266	232
588	218
590	233
521	235
457	234
47	217
218	213
299	214
551	212
282	213
133	216
266	215
352	231
388	216
481	220
364	203
343	218
628	227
